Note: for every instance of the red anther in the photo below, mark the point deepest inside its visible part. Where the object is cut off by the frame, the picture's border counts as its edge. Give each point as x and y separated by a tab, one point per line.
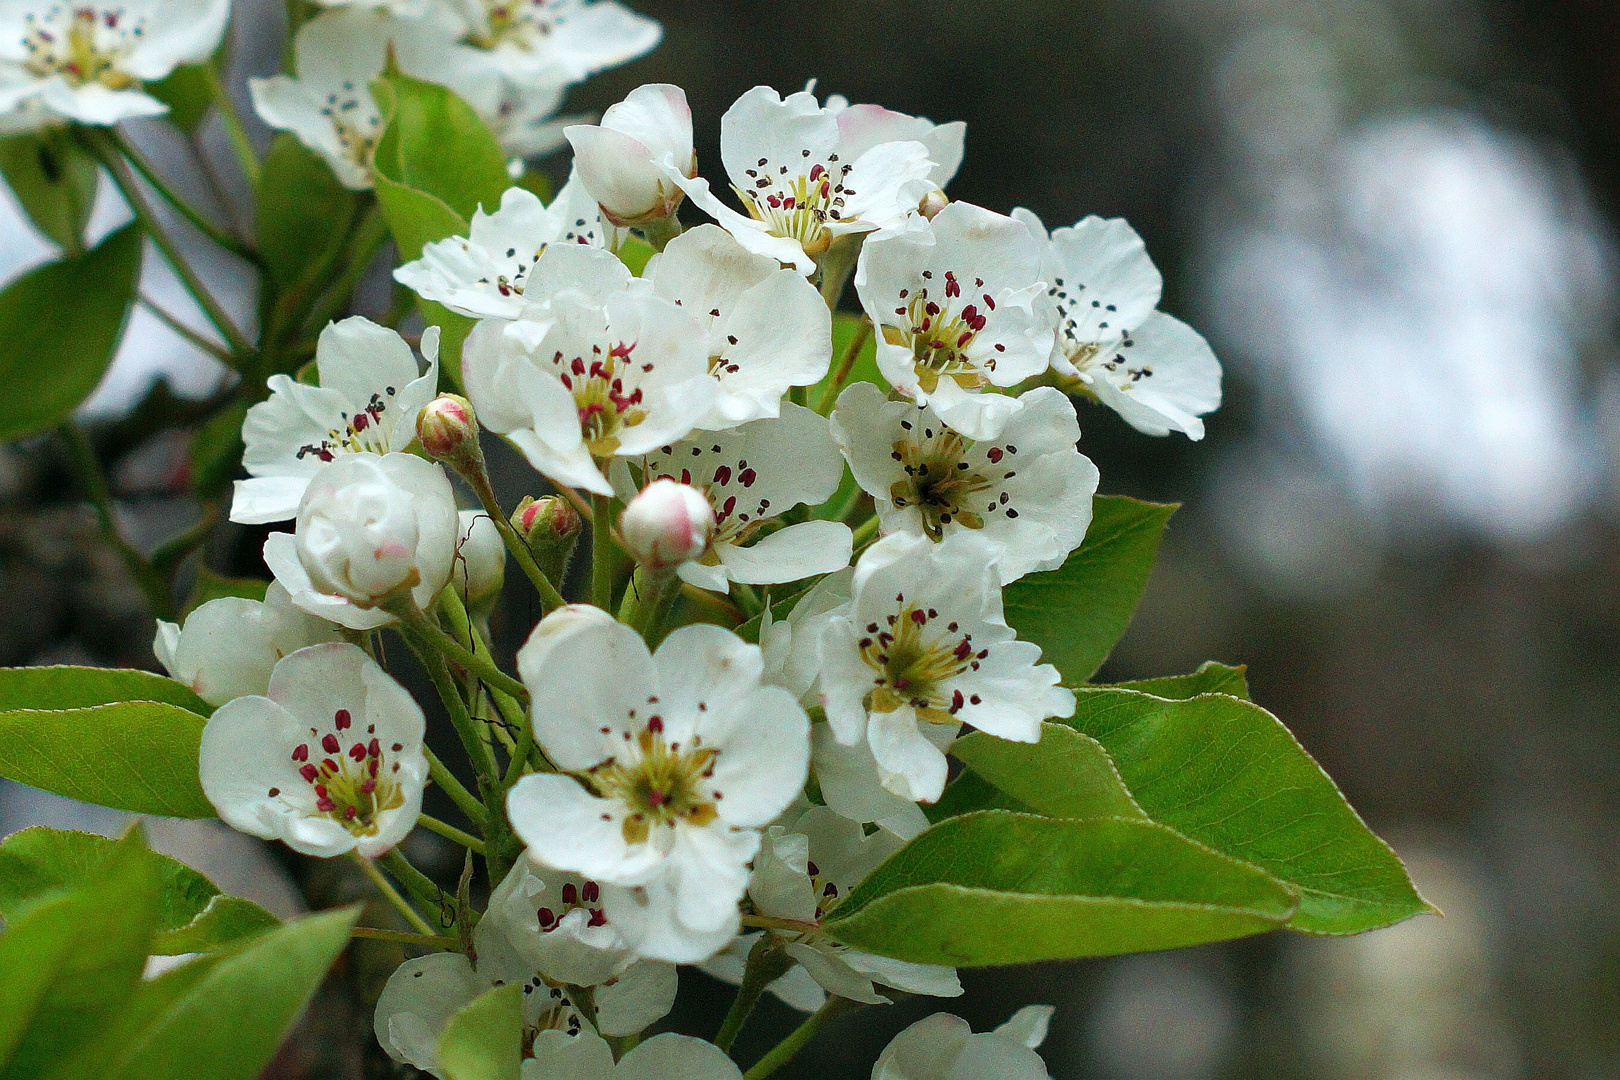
374	748
957	701
655	724
301	752
918	617
815	871
597	918
817	172
320	791
988	302
570	894
747	477
829	889
342	719
965	337
994	454
931	307
963	649
371	784
328	765
325	806
722	476
360	420
656	798
308	772
330	744
349	812
578	366
358	751
728	506
591	892
547	918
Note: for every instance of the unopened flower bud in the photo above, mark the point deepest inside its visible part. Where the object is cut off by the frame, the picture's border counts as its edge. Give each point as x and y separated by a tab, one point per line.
449	430
933	203
551	527
667	524
626	162
480	568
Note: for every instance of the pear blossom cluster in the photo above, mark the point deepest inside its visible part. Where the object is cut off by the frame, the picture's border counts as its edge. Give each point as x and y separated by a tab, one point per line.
682	790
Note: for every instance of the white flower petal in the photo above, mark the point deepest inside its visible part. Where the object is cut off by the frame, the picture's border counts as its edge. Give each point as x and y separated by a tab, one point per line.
667	1056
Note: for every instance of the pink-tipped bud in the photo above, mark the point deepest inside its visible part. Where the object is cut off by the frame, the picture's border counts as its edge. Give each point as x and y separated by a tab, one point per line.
933	203
448	429
667	524
550	526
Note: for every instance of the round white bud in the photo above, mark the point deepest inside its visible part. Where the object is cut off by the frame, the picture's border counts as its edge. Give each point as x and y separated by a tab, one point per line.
667	524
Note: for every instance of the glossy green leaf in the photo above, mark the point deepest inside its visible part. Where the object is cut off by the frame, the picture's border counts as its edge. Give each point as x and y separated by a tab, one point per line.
968	793
216	452
435	143
227	1022
69	962
187	93
484	1040
59	327
94	1057
65	687
304	214
139	756
1210	678
1228	774
416	219
1078	612
1065	775
212	586
55	180
1003	888
192	916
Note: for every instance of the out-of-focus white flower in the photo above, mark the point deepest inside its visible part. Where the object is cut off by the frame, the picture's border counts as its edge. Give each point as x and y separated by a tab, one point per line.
752	475
801	873
804	181
621	159
565	40
328	761
944	1047
597	370
678	759
369	527
1151	368
1027	491
228	647
662	1057
87	62
960	308
667	523
369	394
480	567
554	920
768	328
923	648
486	273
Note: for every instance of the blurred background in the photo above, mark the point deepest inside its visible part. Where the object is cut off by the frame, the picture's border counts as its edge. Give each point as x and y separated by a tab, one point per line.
1395	220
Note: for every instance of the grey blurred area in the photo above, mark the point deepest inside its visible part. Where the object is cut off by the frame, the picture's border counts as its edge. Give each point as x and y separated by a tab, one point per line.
1395	220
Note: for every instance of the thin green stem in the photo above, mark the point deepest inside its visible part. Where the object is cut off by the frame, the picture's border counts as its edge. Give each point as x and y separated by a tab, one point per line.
767	922
418	884
784	1051
523	721
129	186
602	551
550	598
846	364
155	179
211	348
747	598
472	739
246	156
450	832
479	664
399	937
391	894
866	532
766	963
465	800
87	471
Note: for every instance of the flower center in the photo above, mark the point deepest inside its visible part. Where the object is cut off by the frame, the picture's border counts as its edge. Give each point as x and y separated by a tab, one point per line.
797	206
87	50
586	897
939	481
363	432
352	787
605	409
523	24
355	121
913	663
940	331
658	783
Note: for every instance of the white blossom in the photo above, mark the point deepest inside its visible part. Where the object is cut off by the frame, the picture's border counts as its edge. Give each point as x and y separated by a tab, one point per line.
862	127
803	181
960	308
801	873
923	648
677	759
1151	368
621	159
369	393
752	475
87	62
555	921
328	760
944	1047
663	1057
1027	491
228	647
768	328
368	527
596	370
485	273
563	40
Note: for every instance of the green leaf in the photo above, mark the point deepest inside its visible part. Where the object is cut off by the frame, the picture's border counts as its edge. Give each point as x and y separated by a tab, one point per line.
139	756
59	327
187	93
304	214
227	1022
1078	612
1004	888
453	331
1065	775
151	1000
536	183
968	793
192	914
484	1040
435	143
635	253
64	687
1210	678
54	179
69	962
1228	774
416	219
216	451
212	586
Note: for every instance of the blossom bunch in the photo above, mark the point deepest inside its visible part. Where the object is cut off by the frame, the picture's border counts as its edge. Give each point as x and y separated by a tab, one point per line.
815	715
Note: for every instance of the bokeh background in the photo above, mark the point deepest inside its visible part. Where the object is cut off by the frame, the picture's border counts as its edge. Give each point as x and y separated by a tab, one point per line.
1394	219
